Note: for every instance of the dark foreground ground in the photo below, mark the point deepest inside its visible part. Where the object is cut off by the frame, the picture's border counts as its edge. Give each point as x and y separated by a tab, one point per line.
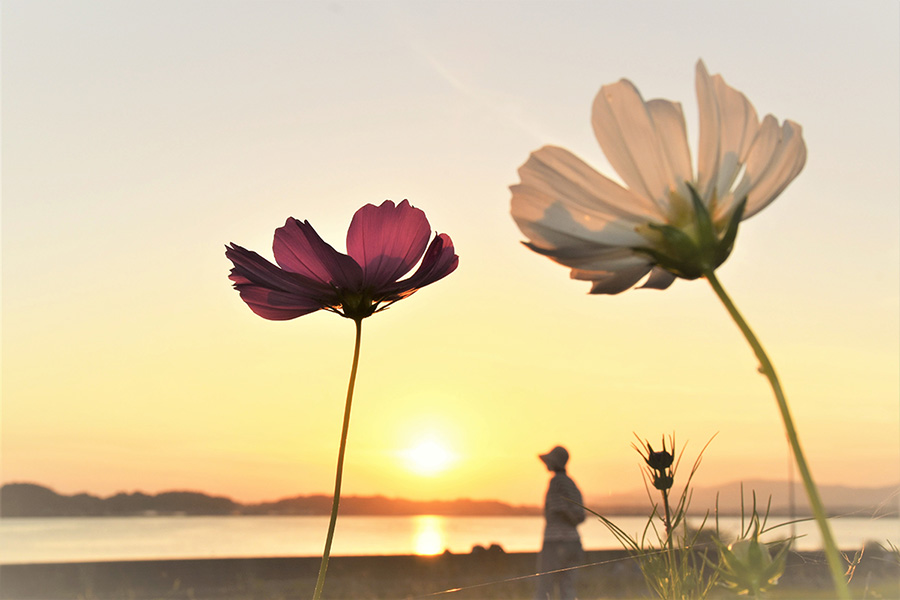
480	575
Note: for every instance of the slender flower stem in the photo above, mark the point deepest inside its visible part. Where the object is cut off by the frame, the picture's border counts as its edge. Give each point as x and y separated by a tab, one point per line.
672	575
665	495
335	503
831	551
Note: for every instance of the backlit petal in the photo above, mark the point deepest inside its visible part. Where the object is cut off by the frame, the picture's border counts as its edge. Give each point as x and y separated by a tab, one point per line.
274	305
560	192
251	268
613	282
299	249
594	259
387	241
771	167
439	261
669	121
659	279
738	124
627	133
708	151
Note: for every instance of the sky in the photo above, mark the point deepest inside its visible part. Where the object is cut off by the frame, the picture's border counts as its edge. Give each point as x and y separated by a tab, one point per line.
138	138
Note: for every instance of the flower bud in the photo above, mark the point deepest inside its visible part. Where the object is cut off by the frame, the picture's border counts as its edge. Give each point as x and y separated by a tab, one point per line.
659	461
663	482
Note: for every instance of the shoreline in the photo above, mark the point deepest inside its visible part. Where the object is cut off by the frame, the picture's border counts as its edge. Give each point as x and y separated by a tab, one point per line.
481	574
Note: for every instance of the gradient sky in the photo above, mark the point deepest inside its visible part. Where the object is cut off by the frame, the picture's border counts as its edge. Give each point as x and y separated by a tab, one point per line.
140	137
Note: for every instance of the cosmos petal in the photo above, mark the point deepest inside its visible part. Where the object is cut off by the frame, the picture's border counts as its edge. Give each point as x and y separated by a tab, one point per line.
659	279
771	169
387	241
299	249
738	124
669	120
592	258
251	268
558	191
708	147
629	138
440	260
613	282
275	305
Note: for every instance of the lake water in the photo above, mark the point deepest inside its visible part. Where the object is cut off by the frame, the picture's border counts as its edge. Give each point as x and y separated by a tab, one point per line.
142	538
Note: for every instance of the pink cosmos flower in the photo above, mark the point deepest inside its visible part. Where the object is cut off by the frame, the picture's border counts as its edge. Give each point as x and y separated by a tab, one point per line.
383	244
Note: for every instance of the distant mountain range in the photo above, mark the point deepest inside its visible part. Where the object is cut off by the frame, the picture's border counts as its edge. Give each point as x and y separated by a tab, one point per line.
727	499
32	500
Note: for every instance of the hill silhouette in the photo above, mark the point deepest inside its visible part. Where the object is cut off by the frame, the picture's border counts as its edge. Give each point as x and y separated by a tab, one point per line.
33	500
727	499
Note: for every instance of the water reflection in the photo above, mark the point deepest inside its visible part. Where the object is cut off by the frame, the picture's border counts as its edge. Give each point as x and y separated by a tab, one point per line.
429	537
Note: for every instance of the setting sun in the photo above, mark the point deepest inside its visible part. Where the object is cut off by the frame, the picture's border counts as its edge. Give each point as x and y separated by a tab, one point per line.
428	457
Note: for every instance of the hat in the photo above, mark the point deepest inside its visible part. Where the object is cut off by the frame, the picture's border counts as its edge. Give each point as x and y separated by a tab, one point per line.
556	459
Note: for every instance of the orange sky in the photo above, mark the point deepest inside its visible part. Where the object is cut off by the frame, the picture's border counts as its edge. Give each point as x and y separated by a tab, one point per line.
139	139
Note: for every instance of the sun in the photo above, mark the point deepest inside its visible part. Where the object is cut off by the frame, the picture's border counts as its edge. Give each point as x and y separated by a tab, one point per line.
428	457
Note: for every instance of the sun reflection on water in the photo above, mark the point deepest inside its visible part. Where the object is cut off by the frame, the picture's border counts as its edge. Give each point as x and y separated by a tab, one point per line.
429	536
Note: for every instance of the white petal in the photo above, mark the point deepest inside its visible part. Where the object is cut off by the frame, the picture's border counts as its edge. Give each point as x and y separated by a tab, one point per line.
669	120
556	233
613	282
708	147
595	259
558	170
738	124
627	133
659	279
560	193
775	159
761	152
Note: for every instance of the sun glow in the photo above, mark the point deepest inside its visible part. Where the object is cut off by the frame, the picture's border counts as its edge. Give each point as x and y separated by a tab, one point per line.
428	457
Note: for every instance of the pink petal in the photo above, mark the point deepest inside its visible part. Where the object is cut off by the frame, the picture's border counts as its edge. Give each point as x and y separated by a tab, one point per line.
440	260
275	305
387	241
299	249
272	292
251	268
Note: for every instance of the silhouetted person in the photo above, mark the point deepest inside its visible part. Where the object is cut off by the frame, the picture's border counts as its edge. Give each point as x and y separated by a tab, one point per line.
562	545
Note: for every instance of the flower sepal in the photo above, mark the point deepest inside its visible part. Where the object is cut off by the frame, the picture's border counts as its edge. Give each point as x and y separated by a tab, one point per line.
689	256
356	305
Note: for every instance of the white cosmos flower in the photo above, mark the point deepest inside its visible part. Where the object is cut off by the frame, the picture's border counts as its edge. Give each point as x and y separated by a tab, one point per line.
668	221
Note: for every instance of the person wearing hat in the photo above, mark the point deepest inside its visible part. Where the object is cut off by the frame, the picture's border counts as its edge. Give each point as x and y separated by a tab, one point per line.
561	548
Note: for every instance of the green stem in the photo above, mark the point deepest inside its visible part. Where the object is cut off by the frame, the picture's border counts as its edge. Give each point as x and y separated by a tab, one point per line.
672	576
335	503
831	550
665	495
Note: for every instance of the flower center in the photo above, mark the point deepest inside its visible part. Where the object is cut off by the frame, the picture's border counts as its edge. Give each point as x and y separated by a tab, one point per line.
356	305
690	244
